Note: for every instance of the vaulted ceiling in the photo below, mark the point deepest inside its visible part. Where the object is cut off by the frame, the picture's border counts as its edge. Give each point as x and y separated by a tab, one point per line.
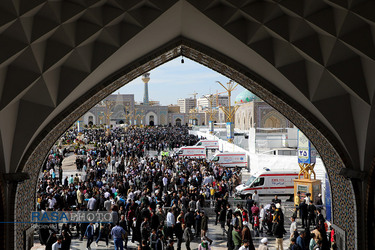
319	53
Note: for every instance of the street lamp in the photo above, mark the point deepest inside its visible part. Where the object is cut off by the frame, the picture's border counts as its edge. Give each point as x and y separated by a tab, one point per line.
107	113
211	112
229	111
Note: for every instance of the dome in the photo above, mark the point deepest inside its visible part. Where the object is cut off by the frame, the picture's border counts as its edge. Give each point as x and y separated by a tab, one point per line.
244	97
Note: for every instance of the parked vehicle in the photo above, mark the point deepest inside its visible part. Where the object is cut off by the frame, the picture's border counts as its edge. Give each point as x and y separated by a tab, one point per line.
268	182
192	151
209	144
231	159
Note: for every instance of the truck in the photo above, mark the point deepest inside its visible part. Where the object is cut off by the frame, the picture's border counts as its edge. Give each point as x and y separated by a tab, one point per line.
268	182
191	151
209	144
231	159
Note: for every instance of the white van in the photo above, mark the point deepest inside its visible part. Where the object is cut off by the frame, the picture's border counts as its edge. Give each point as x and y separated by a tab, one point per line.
269	182
192	151
209	144
231	159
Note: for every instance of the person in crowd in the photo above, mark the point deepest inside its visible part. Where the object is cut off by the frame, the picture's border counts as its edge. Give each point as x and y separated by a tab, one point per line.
263	244
51	240
311	214
303	213
301	240
57	244
89	234
170	245
293	227
117	234
276	200
255	197
246	236
236	237
103	234
187	236
278	225
66	240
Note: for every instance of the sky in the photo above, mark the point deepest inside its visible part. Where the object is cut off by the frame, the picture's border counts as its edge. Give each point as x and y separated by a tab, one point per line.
174	80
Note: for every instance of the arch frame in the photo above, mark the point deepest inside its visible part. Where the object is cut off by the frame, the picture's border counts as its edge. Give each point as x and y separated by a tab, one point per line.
333	155
148	116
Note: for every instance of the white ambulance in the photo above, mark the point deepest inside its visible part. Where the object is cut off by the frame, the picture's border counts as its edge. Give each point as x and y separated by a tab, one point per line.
209	144
268	182
231	159
191	151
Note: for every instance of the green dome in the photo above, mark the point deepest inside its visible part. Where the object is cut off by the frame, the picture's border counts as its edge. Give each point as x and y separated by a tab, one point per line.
244	97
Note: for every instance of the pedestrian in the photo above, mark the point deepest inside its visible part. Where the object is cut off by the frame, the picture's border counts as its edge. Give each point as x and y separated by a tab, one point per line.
204	226
255	198
278	225
263	244
103	233
293	228
246	235
245	245
293	245
223	218
66	240
51	240
170	223
198	223
262	217
276	200
303	212
188	236
311	213
236	237
117	234
301	240
170	245
256	224
57	244
249	203
179	232
204	245
89	234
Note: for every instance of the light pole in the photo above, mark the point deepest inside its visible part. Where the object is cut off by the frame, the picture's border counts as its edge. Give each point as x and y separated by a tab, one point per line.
228	110
192	115
211	112
128	114
141	116
107	113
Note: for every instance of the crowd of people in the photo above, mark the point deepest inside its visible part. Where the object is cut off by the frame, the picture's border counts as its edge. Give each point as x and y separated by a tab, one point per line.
158	200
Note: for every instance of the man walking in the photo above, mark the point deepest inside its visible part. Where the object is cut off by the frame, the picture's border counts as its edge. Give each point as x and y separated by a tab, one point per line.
90	235
117	233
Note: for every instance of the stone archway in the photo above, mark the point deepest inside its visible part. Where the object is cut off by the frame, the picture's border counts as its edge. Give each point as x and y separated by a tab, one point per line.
151	116
332	155
178	122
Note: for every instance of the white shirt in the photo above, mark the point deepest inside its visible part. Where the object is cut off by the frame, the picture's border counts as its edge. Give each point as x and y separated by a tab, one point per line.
261	214
170	219
256	198
56	246
243	248
51	203
293	227
165	181
91	203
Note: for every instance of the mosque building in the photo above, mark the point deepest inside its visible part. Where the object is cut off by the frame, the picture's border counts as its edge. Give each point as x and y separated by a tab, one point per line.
253	112
122	109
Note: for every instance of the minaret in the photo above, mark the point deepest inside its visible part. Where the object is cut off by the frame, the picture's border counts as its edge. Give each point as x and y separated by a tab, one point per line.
145	79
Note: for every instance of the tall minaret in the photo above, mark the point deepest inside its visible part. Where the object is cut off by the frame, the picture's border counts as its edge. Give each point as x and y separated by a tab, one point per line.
145	79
